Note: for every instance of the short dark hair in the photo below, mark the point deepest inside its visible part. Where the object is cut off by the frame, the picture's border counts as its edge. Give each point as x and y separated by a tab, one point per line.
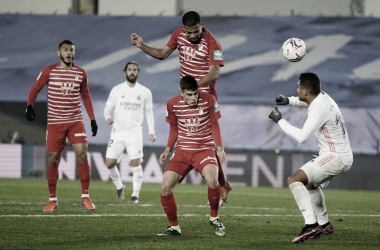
310	81
65	42
188	83
132	62
191	18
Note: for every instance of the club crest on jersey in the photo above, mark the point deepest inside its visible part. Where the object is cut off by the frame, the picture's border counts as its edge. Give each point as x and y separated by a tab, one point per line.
76	77
188	53
139	97
192	124
67	87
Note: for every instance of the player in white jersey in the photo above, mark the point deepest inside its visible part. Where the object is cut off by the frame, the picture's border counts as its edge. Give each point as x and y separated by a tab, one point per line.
129	101
326	123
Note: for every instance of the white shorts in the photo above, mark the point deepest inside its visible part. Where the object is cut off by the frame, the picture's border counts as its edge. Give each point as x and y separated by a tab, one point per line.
322	169
117	144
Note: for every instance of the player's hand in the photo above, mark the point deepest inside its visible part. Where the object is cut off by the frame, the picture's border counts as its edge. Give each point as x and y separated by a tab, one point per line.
275	115
221	154
94	128
164	155
136	40
152	138
282	100
109	121
29	113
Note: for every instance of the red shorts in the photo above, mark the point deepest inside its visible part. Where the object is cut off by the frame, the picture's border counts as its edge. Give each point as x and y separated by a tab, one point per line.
56	135
183	161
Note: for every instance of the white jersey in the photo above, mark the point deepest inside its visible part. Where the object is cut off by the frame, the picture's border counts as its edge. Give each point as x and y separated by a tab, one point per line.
129	104
326	122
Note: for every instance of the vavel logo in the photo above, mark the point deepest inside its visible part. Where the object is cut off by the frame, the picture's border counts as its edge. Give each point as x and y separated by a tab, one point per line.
192	124
67	87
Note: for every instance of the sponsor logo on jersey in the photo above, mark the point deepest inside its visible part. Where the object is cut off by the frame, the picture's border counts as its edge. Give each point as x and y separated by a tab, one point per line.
218	55
80	134
216	107
67	87
192	124
208	158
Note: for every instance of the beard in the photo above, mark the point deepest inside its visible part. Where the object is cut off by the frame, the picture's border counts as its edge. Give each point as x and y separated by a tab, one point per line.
132	79
65	62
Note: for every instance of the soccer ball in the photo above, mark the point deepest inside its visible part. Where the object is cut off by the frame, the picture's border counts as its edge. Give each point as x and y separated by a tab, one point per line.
294	49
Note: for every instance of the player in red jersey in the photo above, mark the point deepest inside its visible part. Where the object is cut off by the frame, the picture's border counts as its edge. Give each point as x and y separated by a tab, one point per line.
200	56
193	119
66	82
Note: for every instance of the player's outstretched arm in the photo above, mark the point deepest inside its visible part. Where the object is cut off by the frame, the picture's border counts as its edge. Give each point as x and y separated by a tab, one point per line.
160	54
164	155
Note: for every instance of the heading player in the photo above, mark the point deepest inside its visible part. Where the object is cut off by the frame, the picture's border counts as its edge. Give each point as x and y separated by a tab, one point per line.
66	82
200	56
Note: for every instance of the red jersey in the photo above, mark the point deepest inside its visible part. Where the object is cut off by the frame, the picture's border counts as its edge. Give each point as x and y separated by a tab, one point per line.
195	59
64	88
197	127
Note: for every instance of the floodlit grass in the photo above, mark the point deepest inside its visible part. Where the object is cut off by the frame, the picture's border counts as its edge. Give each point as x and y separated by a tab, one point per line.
255	218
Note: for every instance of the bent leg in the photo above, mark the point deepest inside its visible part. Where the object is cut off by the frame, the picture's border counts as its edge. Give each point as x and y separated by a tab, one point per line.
297	183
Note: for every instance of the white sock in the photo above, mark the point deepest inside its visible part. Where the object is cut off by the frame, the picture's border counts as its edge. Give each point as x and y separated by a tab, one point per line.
115	177
137	180
302	197
318	202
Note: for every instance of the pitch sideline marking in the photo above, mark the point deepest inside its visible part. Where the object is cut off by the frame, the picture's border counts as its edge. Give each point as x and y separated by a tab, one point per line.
162	215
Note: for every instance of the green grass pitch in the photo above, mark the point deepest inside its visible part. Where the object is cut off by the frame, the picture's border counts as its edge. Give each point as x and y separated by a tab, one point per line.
255	218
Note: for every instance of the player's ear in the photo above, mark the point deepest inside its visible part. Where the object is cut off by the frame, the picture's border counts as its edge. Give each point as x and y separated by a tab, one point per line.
58	53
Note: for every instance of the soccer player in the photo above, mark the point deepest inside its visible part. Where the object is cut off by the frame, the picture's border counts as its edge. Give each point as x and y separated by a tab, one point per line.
66	82
129	100
326	123
193	119
200	56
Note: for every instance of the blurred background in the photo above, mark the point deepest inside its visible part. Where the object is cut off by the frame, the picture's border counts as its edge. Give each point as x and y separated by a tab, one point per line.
342	39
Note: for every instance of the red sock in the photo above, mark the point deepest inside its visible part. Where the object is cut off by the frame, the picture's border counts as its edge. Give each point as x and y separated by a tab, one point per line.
84	176
213	198
52	179
170	207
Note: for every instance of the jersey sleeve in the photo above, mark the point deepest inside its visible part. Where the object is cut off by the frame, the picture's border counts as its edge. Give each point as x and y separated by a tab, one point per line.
110	104
214	116
148	106
173	42
172	120
215	51
41	81
313	122
86	97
